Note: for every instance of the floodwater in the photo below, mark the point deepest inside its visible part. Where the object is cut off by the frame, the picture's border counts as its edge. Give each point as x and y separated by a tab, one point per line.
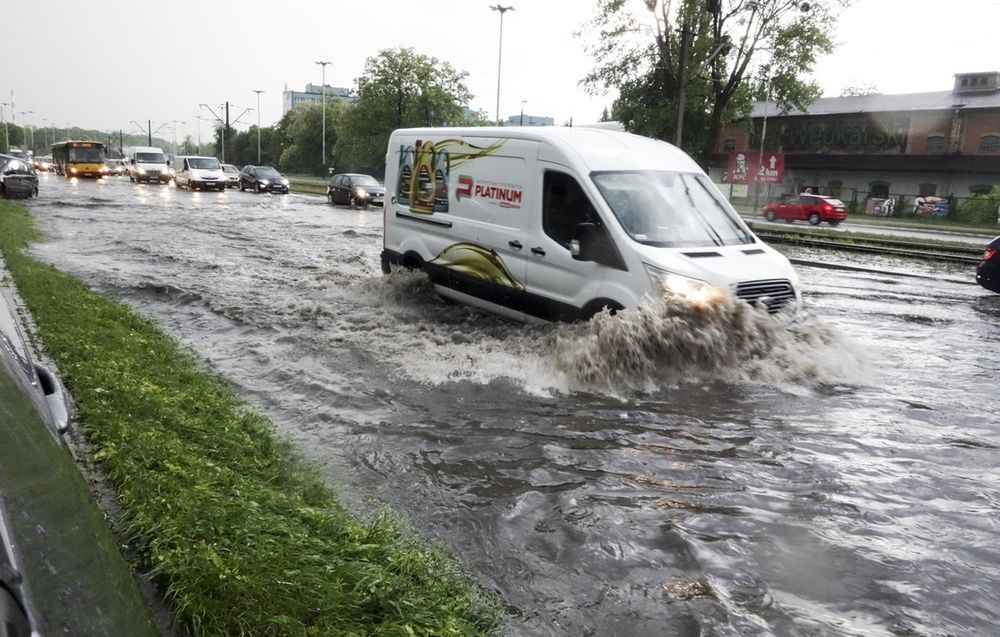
669	471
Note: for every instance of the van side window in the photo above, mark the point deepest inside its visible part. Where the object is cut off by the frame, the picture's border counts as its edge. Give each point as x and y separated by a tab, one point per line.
564	205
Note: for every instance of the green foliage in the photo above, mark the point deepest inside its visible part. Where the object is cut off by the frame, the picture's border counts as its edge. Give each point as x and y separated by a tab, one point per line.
245	540
398	88
725	43
981	210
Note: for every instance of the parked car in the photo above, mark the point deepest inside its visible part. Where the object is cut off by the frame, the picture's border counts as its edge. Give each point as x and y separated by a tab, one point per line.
807	207
61	572
262	179
988	272
355	190
232	174
17	177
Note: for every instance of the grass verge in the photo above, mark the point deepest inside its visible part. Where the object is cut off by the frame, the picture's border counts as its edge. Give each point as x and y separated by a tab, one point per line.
243	537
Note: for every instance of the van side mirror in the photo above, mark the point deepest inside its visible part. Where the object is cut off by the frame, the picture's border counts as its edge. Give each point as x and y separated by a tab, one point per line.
592	243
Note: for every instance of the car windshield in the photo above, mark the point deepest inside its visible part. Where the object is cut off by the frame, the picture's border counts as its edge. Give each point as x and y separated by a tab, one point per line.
365	180
268	172
150	158
204	163
665	209
229	168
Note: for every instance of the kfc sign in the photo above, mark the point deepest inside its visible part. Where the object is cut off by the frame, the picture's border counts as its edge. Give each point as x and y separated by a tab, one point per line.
745	168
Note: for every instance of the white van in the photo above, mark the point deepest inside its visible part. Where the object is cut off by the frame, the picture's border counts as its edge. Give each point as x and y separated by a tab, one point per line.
148	163
199	173
556	223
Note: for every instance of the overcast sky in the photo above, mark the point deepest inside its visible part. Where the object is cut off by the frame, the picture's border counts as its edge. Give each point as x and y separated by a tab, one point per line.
106	63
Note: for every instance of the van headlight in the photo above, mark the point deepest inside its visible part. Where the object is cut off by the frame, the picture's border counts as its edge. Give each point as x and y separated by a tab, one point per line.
692	290
142	171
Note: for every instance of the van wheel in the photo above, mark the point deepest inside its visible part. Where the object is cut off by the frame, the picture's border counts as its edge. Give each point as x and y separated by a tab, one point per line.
596	306
769	215
814	219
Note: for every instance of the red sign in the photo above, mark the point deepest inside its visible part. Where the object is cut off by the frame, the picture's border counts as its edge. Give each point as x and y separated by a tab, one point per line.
745	168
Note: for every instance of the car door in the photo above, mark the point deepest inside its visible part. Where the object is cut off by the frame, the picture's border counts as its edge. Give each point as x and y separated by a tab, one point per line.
555	280
340	189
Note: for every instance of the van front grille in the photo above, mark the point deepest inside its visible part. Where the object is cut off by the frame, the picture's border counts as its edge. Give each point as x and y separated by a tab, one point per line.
773	293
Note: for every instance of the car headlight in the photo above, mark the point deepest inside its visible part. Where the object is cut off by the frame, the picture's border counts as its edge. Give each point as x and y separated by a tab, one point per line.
142	171
73	170
264	182
284	182
694	291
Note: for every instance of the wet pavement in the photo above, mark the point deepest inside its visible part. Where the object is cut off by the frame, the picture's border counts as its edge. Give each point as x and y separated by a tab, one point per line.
664	472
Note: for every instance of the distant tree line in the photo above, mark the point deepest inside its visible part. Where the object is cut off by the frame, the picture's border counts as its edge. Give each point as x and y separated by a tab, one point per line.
398	88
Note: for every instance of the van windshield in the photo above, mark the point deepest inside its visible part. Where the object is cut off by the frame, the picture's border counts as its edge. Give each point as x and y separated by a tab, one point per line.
666	209
204	163
150	158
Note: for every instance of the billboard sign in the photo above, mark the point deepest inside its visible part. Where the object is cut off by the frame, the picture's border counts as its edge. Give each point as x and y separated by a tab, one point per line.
745	168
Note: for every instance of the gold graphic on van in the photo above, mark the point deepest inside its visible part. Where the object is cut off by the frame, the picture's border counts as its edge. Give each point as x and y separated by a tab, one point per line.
425	167
477	261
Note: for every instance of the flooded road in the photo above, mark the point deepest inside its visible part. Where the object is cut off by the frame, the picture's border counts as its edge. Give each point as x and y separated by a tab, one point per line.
636	477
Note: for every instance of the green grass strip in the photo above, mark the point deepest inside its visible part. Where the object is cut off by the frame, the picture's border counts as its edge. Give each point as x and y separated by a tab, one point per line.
245	539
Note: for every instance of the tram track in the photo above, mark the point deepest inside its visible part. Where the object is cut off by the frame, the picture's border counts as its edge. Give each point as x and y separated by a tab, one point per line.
916	249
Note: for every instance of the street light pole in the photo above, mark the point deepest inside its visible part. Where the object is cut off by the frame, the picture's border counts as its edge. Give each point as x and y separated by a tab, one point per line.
522	112
502	9
6	131
258	122
323	141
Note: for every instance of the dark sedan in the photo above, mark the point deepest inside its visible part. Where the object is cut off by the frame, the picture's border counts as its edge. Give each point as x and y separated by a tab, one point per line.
988	273
262	179
355	190
17	177
61	572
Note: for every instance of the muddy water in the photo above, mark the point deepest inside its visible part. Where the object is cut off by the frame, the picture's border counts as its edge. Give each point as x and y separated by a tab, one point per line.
671	471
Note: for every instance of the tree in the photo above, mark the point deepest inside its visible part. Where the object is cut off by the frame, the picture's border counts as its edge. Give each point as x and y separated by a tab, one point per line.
398	88
698	59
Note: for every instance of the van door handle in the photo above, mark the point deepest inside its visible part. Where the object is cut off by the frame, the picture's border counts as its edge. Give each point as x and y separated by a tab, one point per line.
515	244
538	251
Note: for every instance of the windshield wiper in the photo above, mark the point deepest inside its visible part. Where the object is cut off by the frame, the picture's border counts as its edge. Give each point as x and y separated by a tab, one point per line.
701	219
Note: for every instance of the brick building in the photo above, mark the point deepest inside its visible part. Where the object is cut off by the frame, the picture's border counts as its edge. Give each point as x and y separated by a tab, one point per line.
942	143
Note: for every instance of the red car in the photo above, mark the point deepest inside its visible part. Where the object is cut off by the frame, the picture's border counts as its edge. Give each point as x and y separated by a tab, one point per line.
812	208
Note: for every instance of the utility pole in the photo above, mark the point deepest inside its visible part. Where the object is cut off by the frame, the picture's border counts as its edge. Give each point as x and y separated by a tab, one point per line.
522	113
323	141
149	130
258	122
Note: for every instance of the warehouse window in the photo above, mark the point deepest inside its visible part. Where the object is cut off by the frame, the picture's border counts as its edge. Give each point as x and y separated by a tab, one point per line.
935	143
878	189
989	144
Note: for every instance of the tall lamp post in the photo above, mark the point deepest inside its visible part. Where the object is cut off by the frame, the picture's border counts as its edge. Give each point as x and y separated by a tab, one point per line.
502	9
258	123
522	112
6	131
323	141
27	122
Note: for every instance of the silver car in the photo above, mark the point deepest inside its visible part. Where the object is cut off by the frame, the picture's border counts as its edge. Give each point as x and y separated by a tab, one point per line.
60	569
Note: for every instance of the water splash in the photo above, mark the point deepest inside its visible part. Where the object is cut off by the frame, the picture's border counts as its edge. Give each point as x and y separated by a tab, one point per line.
663	341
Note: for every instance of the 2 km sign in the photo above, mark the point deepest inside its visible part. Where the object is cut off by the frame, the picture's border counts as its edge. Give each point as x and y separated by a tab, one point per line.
745	168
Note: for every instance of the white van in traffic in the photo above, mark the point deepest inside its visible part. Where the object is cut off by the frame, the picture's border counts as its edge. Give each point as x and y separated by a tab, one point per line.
199	173
148	163
556	223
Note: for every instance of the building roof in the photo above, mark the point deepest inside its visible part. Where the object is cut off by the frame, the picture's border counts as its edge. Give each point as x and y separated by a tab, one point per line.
936	101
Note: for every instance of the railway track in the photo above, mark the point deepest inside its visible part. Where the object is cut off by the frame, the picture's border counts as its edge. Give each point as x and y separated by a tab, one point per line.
950	252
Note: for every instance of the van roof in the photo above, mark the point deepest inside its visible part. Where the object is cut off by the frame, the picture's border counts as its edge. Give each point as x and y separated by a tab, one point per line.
597	149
